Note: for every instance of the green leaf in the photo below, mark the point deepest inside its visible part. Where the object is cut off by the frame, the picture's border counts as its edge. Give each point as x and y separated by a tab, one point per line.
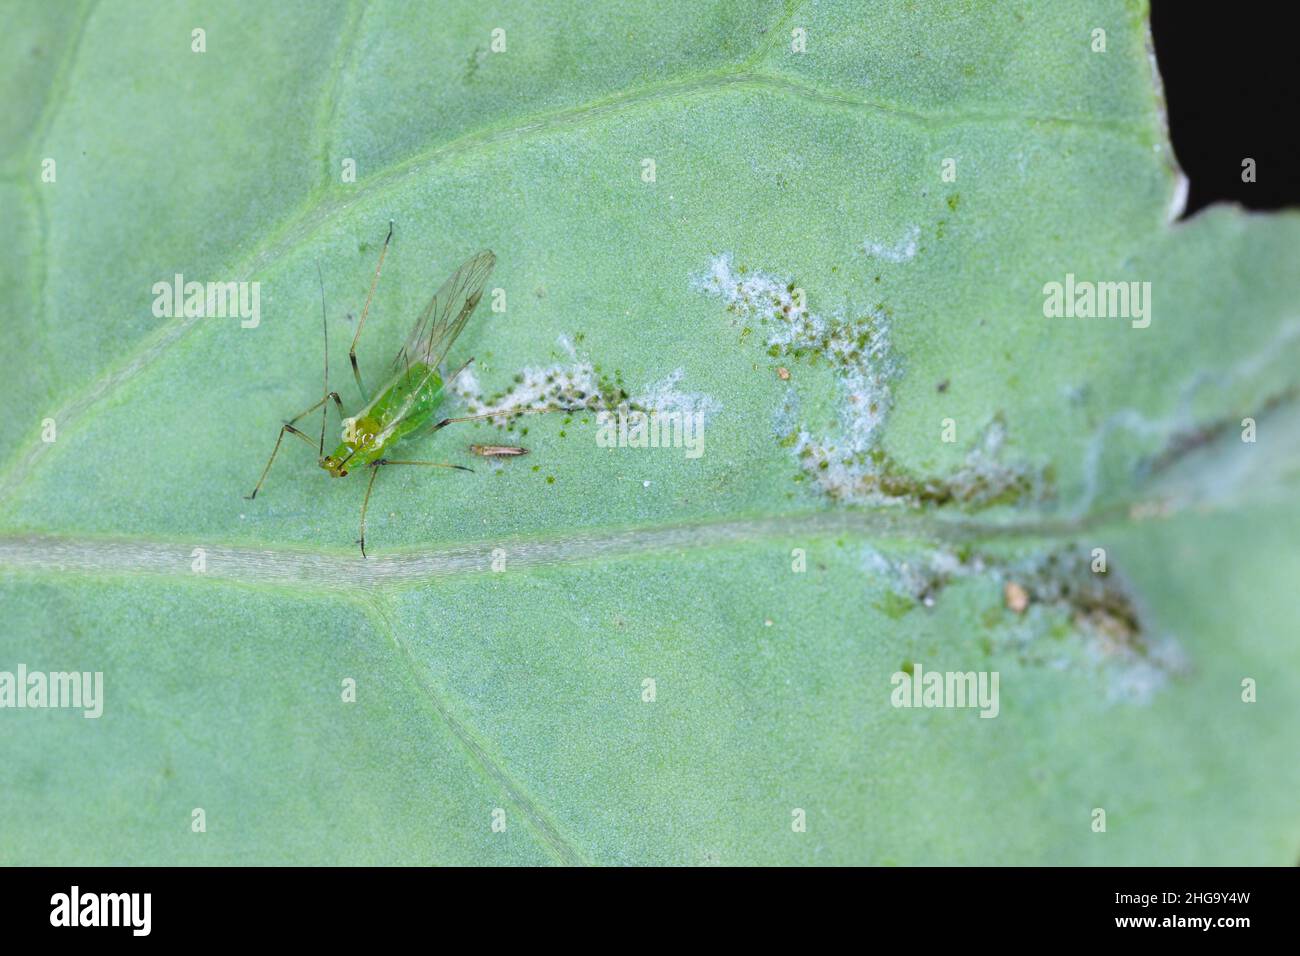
800	272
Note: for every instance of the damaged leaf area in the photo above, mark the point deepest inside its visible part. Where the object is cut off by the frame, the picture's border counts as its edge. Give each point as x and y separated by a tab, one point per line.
849	464
574	388
1056	589
1035	601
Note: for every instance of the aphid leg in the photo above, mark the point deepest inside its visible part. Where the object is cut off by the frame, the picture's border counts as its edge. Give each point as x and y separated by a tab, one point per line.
365	503
374	467
352	352
289	427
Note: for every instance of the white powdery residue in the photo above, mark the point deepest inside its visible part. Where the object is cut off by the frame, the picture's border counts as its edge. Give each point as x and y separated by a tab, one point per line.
989	446
793	325
893	573
901	251
921	576
1116	638
465	385
983	477
664	396
846	462
750	293
1127	419
1133	678
877	565
841	464
539	388
859	351
867	401
1121	642
785	420
577	386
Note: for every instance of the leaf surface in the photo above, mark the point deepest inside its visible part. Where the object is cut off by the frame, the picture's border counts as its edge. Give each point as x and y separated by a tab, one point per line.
810	180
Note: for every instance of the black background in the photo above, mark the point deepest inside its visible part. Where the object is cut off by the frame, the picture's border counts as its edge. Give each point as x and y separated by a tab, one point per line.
918	910
1230	75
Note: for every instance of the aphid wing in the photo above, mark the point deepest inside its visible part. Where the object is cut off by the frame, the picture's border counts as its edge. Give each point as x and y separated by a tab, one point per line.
447	312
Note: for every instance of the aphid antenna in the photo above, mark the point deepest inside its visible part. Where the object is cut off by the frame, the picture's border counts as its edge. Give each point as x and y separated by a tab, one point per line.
325	333
456	374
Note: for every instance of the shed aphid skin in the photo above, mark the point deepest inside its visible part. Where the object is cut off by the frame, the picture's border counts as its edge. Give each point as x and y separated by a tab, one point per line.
405	404
498	451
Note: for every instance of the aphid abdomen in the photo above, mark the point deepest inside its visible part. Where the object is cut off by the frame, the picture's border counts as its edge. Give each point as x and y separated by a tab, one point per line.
406	404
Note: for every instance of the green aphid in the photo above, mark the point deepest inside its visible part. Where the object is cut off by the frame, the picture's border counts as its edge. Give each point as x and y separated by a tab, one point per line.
406	403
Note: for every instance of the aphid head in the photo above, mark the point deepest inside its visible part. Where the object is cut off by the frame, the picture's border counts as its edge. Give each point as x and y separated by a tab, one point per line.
334	464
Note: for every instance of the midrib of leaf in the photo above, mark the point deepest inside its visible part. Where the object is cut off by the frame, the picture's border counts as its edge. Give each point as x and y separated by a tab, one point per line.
337	570
1211	454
